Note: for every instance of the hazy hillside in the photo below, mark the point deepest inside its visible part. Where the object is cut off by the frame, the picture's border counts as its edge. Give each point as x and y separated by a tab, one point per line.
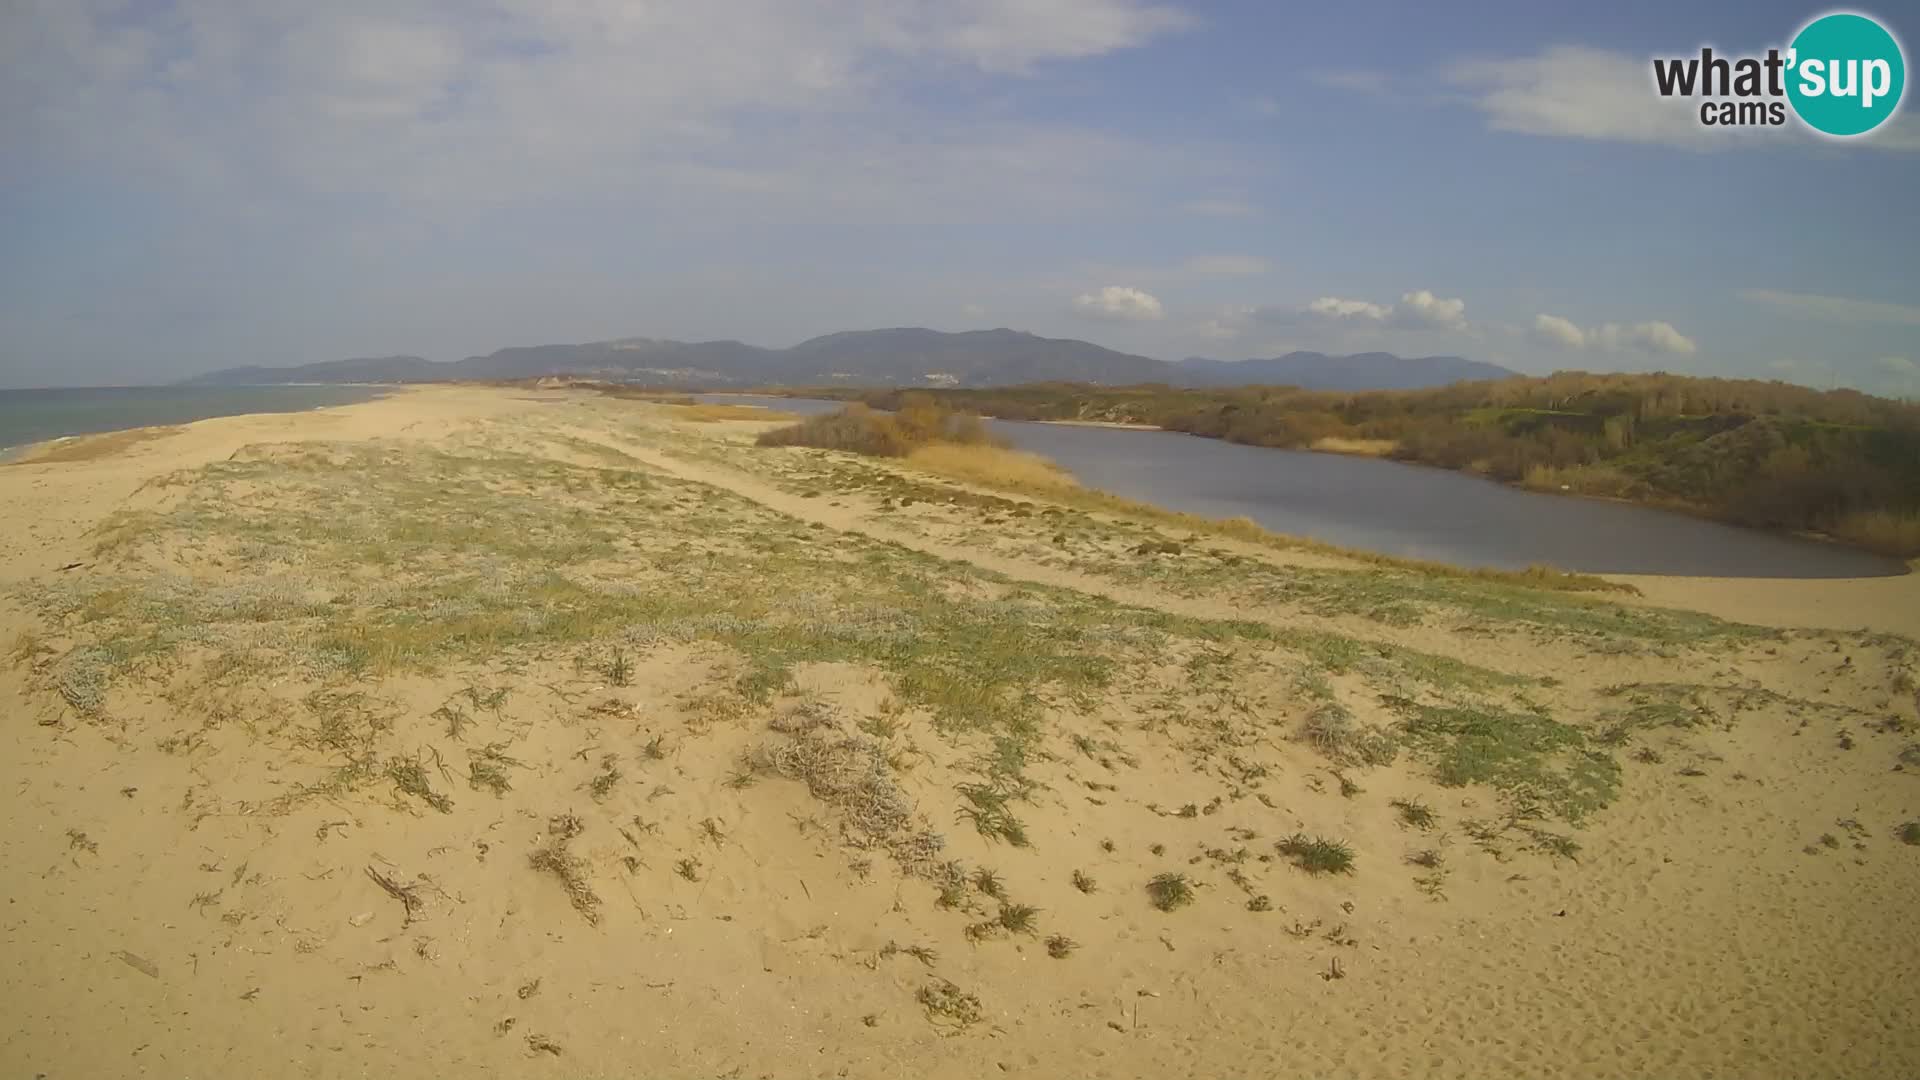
360	369
902	356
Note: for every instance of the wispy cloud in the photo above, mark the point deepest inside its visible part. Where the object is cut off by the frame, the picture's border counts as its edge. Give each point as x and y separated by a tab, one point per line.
528	99
1572	91
1580	93
1835	308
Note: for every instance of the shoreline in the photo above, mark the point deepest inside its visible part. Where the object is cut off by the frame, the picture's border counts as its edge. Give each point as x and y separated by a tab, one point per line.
1910	563
1700	513
22	453
29	453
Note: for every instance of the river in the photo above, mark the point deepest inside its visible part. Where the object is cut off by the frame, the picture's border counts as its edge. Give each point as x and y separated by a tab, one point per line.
1411	511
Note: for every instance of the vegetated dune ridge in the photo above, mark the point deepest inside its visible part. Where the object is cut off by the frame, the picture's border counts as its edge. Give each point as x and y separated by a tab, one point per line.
476	732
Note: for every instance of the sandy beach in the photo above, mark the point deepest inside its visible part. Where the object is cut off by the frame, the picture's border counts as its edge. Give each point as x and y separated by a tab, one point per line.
541	733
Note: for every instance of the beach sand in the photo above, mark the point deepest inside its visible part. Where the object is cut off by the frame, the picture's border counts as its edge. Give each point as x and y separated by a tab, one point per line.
488	732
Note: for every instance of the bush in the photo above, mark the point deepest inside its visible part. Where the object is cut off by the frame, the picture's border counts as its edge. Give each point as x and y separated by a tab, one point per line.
856	428
860	429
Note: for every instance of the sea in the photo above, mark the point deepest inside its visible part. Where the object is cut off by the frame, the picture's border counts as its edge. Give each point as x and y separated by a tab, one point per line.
31	416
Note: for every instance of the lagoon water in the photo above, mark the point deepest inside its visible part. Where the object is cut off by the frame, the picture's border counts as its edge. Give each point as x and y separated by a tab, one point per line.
1409	510
30	416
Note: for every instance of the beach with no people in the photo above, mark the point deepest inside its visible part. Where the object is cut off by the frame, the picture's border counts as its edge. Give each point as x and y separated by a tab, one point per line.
489	731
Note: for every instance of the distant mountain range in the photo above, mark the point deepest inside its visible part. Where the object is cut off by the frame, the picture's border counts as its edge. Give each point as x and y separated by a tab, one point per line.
897	357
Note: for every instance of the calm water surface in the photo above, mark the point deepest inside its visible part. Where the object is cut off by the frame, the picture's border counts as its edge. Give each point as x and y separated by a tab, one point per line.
1410	510
30	416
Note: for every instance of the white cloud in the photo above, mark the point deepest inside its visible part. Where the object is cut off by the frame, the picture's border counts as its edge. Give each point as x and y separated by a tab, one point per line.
1120	303
1002	35
1581	93
973	311
1421	308
1652	337
1835	308
1555	330
1897	365
1576	92
1225	265
1334	307
1648	337
1417	310
514	98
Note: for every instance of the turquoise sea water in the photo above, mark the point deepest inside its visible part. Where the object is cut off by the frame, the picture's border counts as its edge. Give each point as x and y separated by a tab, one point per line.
31	416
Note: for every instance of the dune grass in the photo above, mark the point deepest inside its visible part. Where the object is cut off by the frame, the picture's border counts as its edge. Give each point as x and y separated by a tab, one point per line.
1316	854
1336	444
1526	755
991	466
1889	531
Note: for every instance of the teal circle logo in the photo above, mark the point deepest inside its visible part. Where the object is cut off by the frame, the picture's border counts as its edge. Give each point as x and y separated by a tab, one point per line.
1845	74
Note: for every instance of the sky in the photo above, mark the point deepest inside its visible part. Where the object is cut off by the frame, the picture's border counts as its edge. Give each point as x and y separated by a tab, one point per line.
200	184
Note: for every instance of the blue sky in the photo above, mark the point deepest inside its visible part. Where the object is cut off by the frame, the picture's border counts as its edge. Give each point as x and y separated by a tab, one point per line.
203	183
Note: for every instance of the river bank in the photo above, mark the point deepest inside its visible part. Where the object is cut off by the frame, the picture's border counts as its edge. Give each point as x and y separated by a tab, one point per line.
1422	513
1756	454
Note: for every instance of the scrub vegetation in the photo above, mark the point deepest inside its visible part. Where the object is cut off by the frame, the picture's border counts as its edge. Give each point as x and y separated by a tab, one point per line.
1764	454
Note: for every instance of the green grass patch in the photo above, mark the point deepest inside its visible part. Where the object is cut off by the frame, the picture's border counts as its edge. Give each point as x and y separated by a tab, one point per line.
1317	855
1527	755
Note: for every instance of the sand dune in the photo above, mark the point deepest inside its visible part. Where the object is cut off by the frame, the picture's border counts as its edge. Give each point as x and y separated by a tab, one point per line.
473	732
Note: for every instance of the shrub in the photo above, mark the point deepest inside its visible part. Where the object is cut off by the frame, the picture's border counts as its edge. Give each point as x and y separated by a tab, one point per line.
861	430
855	428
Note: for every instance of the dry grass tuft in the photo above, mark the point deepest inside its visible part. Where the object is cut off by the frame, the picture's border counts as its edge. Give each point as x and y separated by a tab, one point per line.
1891	532
851	774
1335	444
946	1002
1332	731
994	466
560	861
702	413
1169	891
